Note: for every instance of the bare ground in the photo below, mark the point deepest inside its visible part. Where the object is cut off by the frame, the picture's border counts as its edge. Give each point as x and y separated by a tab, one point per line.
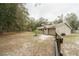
25	44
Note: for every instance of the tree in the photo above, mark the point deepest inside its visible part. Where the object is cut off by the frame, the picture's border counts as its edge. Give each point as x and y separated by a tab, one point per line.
22	18
31	24
7	16
41	21
59	19
72	20
13	17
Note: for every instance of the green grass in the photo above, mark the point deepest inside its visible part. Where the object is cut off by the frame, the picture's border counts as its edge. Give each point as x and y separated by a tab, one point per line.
70	48
72	37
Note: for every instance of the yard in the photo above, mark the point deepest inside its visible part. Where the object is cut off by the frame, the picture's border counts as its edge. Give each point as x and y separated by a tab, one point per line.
71	45
24	44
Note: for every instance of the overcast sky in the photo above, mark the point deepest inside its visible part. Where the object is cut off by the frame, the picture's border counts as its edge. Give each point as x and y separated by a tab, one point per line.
51	11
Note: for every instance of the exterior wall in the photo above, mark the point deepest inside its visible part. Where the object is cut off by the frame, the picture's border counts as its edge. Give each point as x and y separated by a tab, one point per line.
45	31
63	29
41	31
60	28
51	31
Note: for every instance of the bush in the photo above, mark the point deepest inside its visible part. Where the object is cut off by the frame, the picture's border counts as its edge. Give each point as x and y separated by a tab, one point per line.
36	32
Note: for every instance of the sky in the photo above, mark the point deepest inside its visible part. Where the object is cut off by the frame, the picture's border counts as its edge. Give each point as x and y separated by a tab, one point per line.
50	11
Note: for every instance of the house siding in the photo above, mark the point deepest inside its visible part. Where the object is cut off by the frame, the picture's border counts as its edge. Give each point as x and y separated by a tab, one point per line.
59	28
45	31
51	31
63	29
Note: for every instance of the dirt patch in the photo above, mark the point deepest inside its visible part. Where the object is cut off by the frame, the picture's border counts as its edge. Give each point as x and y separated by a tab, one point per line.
25	44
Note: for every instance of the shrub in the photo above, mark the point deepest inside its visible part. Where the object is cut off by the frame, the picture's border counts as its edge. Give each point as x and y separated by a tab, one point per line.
36	32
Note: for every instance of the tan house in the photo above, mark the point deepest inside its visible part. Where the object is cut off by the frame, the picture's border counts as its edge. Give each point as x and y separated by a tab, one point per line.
47	29
59	28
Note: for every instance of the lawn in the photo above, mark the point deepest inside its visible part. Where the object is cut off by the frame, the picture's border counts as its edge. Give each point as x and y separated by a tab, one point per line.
71	45
24	44
72	37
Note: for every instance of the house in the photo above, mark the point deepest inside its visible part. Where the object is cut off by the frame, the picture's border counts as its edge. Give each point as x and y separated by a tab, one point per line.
59	28
47	29
63	28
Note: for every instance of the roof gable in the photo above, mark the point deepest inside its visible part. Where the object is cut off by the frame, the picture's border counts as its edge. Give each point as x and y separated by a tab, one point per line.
54	26
60	24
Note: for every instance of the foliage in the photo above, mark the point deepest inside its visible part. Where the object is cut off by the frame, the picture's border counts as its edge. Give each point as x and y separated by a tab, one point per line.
13	17
36	32
33	23
72	20
41	21
59	20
